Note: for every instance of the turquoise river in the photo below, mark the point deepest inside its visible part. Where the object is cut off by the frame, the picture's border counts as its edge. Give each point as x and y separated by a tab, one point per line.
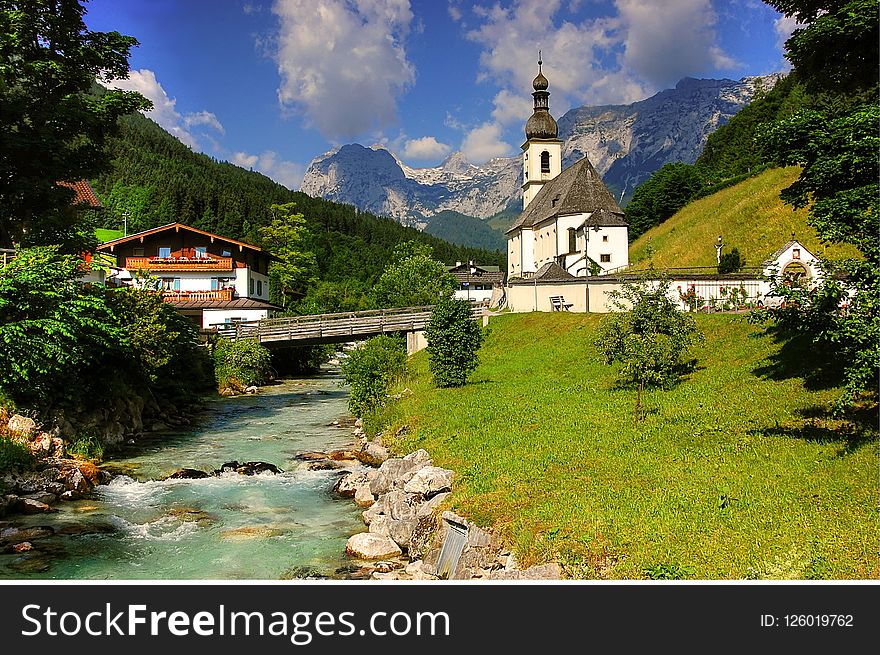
263	527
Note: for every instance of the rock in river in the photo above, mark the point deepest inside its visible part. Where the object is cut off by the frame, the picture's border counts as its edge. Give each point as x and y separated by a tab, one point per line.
187	474
371	546
249	468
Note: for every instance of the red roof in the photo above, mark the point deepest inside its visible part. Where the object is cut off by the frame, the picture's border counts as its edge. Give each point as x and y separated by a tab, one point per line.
85	194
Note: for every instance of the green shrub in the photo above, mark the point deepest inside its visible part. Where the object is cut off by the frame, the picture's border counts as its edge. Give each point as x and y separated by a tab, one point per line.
165	343
87	446
371	369
453	341
14	454
244	361
58	339
731	262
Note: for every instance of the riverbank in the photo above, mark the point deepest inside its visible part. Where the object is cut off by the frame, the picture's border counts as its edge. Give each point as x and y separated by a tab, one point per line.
410	536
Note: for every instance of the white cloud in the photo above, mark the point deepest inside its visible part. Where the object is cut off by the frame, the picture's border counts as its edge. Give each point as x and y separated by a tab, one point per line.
343	62
454	10
638	49
662	45
425	148
511	107
784	26
203	118
484	143
285	172
164	110
573	55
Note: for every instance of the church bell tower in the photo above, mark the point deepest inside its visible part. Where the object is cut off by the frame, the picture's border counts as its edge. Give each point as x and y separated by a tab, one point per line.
542	151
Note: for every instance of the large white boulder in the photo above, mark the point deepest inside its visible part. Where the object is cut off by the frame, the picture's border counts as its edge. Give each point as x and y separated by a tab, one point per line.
429	481
365	545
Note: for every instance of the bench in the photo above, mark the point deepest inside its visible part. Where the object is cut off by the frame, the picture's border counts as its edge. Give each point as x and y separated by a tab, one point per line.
559	305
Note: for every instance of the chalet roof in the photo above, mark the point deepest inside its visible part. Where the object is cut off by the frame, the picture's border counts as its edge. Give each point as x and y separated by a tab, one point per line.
238	303
109	245
576	190
85	194
480	277
464	266
552	272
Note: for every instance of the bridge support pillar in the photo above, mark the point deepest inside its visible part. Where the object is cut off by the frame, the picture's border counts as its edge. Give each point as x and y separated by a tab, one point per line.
415	341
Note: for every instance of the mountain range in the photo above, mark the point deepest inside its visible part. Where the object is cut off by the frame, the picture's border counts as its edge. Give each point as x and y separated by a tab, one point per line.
625	143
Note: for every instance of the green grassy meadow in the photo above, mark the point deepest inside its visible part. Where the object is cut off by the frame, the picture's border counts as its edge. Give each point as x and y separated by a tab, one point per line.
749	216
737	472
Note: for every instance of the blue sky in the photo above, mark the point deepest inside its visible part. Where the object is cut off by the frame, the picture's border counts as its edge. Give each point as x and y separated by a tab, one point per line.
271	84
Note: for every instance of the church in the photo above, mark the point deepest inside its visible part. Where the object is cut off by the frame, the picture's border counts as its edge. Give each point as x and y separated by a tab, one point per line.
570	220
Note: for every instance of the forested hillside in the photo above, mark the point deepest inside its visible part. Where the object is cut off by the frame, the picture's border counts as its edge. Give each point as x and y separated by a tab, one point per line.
155	180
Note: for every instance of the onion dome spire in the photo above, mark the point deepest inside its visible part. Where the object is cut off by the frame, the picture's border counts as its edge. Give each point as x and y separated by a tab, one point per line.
541	125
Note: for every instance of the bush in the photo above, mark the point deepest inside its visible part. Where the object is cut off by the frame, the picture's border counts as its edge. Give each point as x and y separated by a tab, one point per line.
243	361
371	370
14	454
648	336
731	262
59	340
453	341
87	446
165	343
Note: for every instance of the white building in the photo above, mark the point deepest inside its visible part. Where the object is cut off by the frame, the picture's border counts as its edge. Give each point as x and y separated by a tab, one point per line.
210	278
476	283
696	289
569	217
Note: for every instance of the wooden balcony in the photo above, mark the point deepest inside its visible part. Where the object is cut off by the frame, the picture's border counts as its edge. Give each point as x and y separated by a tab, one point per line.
199	296
158	264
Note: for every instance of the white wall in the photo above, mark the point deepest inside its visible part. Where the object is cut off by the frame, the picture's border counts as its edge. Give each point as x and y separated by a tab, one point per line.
617	246
243	284
532	166
211	317
476	295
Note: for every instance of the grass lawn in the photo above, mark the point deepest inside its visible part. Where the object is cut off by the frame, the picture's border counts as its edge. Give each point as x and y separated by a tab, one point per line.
736	472
105	234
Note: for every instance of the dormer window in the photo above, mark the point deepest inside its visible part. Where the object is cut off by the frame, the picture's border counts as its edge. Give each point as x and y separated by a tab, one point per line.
545	162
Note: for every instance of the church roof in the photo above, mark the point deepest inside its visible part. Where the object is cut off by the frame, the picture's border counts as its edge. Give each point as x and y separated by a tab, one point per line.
576	190
541	125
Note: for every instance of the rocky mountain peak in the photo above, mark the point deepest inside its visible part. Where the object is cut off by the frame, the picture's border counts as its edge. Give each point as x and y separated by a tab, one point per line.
625	144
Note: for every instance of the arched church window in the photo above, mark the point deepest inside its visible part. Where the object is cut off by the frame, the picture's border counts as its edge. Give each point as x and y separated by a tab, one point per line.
545	162
572	240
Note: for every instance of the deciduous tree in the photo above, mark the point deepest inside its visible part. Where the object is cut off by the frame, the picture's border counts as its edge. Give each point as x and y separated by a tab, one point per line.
413	278
296	268
453	341
835	140
648	336
53	122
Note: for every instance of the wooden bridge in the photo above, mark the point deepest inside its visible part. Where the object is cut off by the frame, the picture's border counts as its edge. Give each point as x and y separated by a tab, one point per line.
337	328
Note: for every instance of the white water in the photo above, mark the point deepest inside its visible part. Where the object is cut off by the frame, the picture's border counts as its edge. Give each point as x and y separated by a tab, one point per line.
229	527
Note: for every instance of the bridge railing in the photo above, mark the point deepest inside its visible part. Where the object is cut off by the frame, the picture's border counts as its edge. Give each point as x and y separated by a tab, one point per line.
319	326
